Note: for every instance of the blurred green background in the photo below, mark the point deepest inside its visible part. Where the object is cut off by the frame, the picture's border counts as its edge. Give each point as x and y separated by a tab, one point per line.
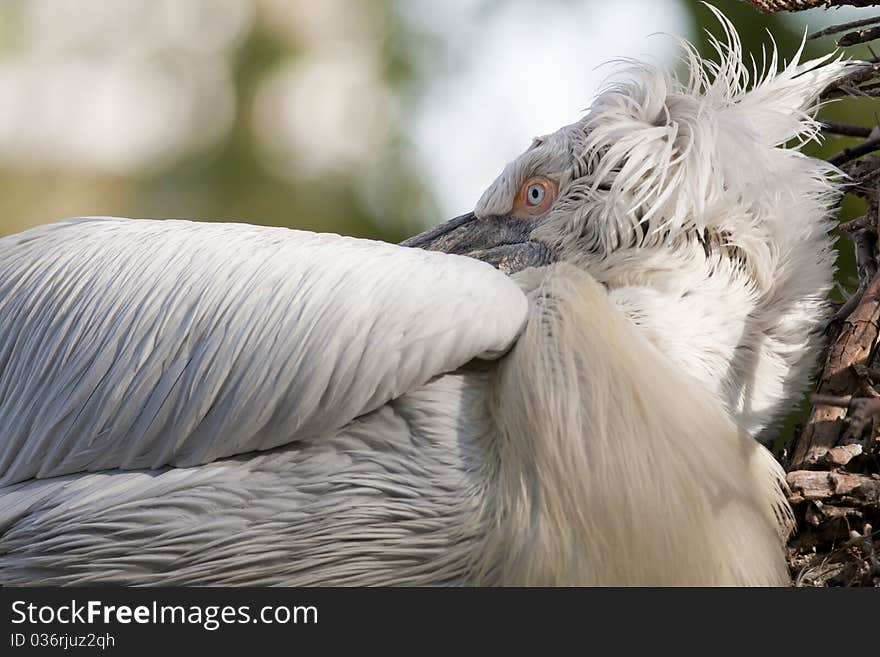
366	117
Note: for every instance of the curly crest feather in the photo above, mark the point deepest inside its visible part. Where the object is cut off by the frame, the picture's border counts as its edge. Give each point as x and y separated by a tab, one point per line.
662	156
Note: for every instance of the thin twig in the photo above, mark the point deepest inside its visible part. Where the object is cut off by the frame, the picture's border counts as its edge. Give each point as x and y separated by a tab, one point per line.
868	390
865	222
846	129
851	92
843	27
831	400
861	36
873	210
864	173
854	152
858	75
864	242
772	6
861	410
869	87
848	306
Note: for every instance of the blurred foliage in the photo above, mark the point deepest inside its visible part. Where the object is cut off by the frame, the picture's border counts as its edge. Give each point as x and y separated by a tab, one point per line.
229	183
228	180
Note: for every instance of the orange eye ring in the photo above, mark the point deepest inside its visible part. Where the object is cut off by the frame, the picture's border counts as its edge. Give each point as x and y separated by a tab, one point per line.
535	196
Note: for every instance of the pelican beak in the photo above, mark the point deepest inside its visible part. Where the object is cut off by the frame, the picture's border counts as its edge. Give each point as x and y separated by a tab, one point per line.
503	242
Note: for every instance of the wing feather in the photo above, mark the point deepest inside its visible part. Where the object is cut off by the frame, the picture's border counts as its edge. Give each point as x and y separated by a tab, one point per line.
139	343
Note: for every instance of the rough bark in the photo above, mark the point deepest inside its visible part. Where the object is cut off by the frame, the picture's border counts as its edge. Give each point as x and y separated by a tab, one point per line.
848	355
773	6
834	469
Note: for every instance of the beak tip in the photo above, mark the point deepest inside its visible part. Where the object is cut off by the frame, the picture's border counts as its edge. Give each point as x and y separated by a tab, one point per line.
432	239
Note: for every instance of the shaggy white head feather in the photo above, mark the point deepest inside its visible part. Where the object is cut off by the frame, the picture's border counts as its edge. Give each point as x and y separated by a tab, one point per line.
688	200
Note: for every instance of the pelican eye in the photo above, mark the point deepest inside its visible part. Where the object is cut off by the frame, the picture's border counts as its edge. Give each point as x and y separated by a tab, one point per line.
535	196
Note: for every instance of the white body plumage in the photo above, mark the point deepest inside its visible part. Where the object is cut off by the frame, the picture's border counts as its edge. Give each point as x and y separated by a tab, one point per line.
380	472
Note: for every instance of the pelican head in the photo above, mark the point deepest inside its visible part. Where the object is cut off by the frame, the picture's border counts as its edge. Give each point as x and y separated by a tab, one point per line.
688	202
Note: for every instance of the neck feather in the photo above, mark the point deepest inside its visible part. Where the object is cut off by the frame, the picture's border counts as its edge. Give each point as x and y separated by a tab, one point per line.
614	467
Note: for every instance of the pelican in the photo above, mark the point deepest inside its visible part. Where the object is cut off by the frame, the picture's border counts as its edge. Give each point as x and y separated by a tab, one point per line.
568	386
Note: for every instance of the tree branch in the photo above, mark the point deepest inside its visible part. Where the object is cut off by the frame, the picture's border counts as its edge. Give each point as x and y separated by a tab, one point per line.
773	6
843	27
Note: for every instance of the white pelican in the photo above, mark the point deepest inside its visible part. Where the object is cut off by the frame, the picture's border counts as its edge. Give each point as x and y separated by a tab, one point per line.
187	403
